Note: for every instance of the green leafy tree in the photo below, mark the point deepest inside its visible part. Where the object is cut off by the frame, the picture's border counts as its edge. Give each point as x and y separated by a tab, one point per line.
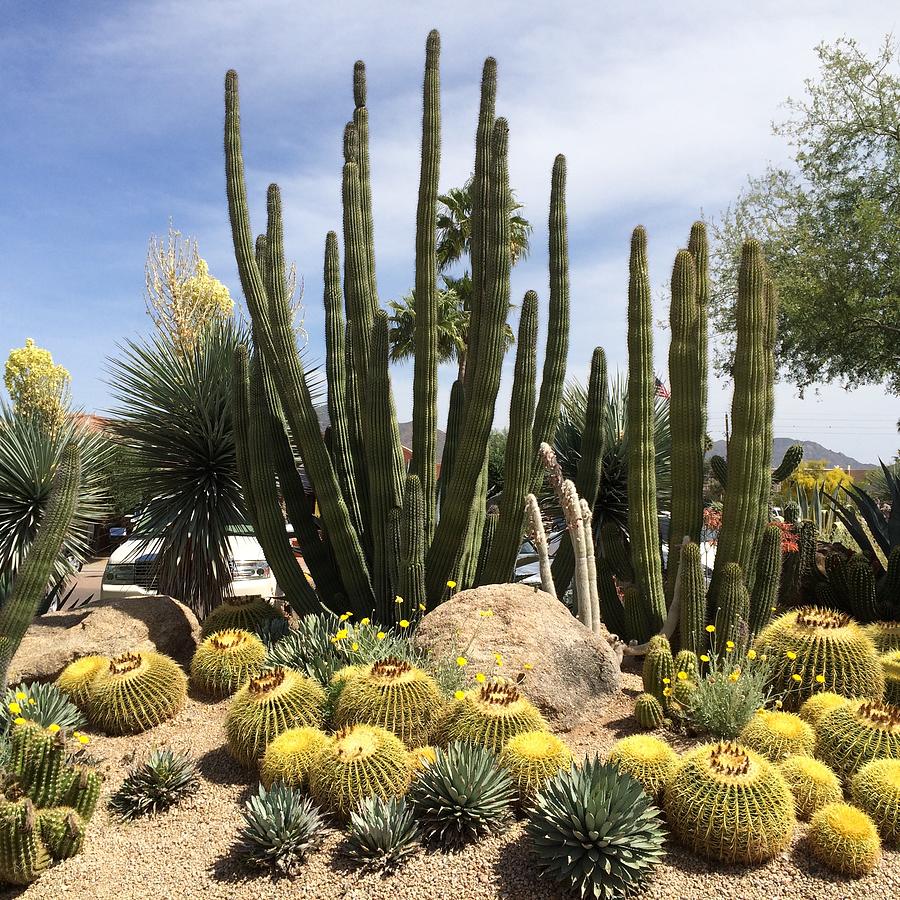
454	235
830	226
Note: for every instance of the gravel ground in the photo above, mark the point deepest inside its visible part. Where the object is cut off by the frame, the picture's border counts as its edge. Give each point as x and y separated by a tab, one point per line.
186	851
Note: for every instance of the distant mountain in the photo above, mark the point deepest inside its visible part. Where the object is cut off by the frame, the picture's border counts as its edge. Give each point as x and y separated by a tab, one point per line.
811	450
406	439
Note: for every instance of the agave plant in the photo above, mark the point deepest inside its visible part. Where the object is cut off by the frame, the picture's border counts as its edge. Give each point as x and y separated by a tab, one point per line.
594	829
281	827
161	782
383	832
884	528
45	704
29	455
174	415
612	500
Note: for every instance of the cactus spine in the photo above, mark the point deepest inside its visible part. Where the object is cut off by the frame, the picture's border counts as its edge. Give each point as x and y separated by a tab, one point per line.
643	528
34	574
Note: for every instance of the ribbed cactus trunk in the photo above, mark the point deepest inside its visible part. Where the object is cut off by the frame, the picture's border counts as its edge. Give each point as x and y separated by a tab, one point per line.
590	462
411	588
686	371
485	370
518	462
692	585
746	457
33	576
272	326
643	527
733	614
426	355
764	597
699	249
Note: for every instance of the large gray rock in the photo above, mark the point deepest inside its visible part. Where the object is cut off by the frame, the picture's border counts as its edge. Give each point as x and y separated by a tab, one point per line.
109	628
574	671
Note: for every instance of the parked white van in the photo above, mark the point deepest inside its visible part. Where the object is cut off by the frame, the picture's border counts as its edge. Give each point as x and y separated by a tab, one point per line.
130	571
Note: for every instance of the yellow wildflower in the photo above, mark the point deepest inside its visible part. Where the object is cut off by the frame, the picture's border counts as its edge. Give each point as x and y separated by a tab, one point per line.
729	649
667	692
704	657
485	613
481	678
461	661
820	679
729	644
31	701
365	621
381	635
398	599
15	708
83	739
354	646
734	676
53	728
344	617
341	634
790	654
778	704
667	680
682	675
751	654
498	659
459	695
422	607
21	695
796	677
710	628
527	667
19	721
404	623
451	584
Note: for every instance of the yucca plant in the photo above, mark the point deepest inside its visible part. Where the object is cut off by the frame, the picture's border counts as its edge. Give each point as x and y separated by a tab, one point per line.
383	832
174	415
884	529
281	827
462	795
594	829
161	782
29	455
45	704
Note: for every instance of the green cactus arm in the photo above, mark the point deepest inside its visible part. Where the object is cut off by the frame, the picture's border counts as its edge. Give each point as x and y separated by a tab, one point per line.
518	462
766	585
617	551
733	614
34	573
557	350
612	612
719	468
488	535
685	414
361	124
336	379
698	246
426	355
411	586
466	567
280	351
643	528
792	458
454	424
487	367
692	587
590	462
385	463
740	512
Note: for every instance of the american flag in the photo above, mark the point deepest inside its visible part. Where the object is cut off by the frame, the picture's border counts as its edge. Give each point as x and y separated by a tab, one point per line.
662	390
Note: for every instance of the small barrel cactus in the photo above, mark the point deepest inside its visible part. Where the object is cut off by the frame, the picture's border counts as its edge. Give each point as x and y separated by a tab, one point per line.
532	758
269	704
890	662
135	692
76	678
226	660
884	635
595	830
844	839
648	711
856	733
812	784
362	761
646	758
245	613
826	650
778	735
659	668
491	715
728	803
291	756
820	705
393	694
686	661
875	788
23	854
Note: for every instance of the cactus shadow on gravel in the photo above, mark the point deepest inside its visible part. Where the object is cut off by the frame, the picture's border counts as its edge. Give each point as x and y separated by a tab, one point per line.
219	767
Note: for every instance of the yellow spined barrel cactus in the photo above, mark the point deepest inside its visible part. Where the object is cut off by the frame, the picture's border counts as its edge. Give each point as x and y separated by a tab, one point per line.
246	613
884	635
728	803
392	694
812	783
819	705
844	839
826	650
420	757
491	715
778	735
646	758
532	758
875	788
362	761
136	691
226	660
269	704
856	733
291	757
890	662
75	679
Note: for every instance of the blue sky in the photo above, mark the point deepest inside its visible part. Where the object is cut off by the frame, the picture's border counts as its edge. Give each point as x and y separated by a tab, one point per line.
112	124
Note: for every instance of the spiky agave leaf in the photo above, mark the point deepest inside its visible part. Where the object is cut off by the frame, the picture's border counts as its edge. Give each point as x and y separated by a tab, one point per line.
462	795
29	455
595	829
281	827
383	832
165	779
50	707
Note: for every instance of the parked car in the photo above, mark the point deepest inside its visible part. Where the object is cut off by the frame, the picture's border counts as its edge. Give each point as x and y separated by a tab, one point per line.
131	569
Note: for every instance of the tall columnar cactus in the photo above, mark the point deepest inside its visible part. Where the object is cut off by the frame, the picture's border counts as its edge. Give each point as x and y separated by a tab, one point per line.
767	583
734	606
643	527
33	576
692	586
357	471
685	413
747	456
411	587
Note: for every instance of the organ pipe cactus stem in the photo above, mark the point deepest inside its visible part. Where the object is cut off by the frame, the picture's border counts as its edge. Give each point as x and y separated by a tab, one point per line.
426	355
538	536
643	526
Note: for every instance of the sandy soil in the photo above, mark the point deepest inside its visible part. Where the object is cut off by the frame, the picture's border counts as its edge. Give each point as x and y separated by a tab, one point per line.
186	851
